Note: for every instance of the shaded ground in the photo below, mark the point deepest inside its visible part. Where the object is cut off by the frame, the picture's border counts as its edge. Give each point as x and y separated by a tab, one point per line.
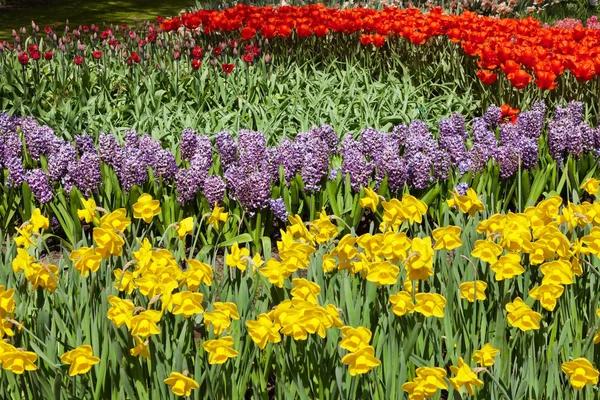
84	12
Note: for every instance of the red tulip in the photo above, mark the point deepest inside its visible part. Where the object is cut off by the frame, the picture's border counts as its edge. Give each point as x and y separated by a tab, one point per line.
48	55
379	40
545	80
196	64
248	33
486	76
78	60
23	58
97	54
519	79
227	68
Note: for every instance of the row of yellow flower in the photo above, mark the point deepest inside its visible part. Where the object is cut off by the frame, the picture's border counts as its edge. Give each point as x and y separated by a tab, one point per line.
156	275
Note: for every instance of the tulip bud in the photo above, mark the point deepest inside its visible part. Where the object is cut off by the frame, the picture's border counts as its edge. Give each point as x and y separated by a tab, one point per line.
223	45
267	58
235	52
14	33
32	24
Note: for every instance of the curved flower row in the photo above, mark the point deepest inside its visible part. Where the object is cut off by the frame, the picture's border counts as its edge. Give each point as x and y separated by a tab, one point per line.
519	48
247	168
522	49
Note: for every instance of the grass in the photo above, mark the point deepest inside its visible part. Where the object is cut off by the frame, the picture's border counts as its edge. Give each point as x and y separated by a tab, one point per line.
81	12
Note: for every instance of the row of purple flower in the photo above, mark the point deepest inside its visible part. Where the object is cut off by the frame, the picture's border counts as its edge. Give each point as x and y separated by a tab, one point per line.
247	168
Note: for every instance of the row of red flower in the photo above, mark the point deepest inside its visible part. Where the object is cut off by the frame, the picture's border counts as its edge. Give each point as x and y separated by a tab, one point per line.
521	49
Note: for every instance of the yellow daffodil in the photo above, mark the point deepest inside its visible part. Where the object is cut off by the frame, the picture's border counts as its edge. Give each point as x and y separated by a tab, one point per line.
124	281
402	303
355	339
322	229
141	348
185	227
217	215
7	302
413	209
120	312
419	264
18	361
305	290
487	251
24	238
430	304
23	260
361	361
486	355
427	382
237	257
145	323
38	220
88	213
198	273
298	229
262	331
370	200
447	238
464	377
557	272
108	242
591	186
547	294
85	260
219	350
116	220
180	384
468	289
187	303
81	360
581	372
521	316
468	203
383	273
146	208
508	266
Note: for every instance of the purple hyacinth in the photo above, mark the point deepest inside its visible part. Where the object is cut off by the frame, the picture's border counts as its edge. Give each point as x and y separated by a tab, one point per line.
419	170
8	123
132	170
85	173
186	185
251	149
461	188
327	134
164	166
132	139
59	160
254	191
355	164
419	140
188	144
333	173
399	134
16	172
492	116
371	143
315	164
38	182
508	158
291	158
84	144
39	141
226	147
442	164
278	208
391	165
109	149
214	189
